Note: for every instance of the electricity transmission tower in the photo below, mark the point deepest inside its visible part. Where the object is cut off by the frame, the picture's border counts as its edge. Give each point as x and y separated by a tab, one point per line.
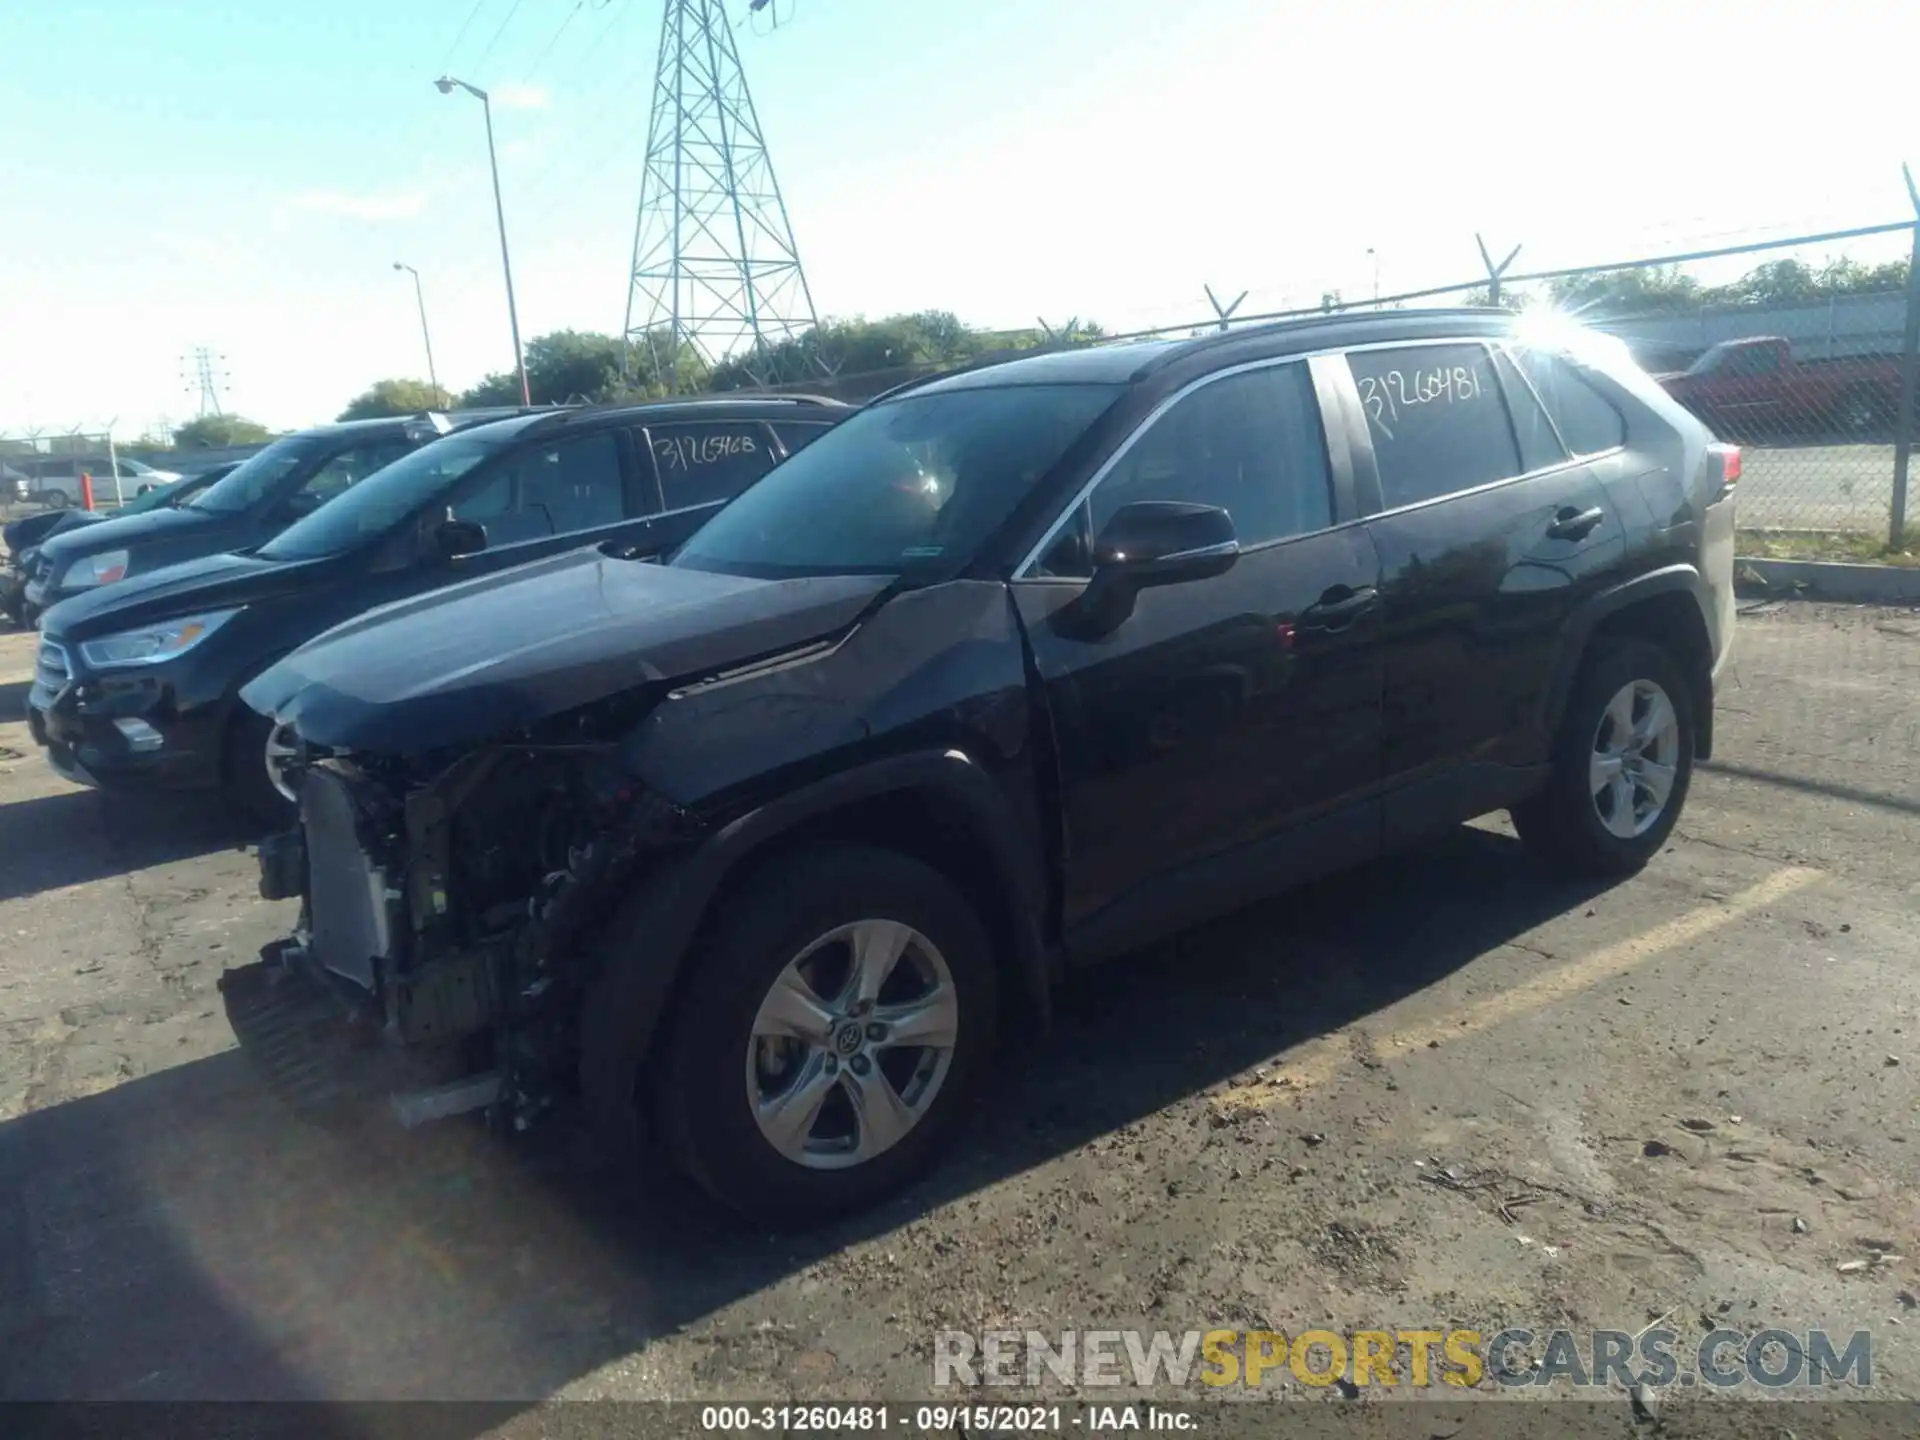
715	273
203	381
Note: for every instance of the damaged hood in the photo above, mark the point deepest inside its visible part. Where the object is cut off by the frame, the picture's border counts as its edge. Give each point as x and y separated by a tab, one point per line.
504	651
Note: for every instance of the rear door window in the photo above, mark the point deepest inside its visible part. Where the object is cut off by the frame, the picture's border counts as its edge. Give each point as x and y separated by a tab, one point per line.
1587	420
1438	419
707	461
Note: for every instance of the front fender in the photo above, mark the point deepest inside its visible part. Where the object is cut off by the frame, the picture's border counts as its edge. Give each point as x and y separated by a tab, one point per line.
647	942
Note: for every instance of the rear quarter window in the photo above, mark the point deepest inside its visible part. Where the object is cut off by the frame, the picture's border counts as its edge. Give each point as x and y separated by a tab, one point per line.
1587	420
797	437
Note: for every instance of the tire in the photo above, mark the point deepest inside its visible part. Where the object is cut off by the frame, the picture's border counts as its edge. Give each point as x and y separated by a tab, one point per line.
714	1071
55	499
1585	830
1859	412
243	773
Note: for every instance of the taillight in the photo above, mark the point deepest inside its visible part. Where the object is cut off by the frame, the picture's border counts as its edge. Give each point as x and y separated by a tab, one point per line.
1727	459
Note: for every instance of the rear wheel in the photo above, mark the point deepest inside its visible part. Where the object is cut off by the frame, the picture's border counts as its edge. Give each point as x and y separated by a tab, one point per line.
1859	412
1622	763
828	1035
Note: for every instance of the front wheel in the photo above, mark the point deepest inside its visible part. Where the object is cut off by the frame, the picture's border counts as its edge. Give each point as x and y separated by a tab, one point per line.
55	499
828	1035
1621	766
253	770
1859	413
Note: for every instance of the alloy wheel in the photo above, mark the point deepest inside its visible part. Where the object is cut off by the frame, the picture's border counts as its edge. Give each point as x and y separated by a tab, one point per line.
852	1044
1636	753
283	749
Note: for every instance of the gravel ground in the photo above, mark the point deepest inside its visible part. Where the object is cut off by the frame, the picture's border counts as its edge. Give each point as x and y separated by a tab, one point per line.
1692	1093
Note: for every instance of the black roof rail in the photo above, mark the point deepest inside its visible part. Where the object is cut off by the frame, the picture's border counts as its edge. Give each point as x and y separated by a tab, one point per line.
744	397
1214	339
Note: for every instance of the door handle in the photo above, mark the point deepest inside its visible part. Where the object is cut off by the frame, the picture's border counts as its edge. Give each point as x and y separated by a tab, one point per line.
1571	524
1338	607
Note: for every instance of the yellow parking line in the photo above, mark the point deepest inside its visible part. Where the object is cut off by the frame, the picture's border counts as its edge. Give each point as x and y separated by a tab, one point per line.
1316	1063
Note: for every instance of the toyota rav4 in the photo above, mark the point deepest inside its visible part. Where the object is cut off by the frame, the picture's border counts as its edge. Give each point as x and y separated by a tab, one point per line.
1016	668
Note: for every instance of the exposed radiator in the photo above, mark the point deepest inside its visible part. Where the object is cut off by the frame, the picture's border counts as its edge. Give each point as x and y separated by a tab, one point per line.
346	892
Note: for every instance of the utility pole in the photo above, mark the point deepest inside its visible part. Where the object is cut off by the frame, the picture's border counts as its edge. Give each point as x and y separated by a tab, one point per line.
715	272
446	85
425	335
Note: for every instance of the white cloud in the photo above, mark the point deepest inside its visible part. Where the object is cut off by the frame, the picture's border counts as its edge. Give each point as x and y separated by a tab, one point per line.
520	97
344	203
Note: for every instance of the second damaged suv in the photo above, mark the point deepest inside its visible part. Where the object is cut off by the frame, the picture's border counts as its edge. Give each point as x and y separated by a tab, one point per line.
1013	670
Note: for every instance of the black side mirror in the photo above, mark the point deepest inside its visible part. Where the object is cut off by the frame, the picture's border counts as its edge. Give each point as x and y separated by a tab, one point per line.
1166	542
1146	544
454	538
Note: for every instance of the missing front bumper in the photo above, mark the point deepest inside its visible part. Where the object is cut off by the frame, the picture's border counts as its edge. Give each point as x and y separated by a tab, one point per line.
319	1050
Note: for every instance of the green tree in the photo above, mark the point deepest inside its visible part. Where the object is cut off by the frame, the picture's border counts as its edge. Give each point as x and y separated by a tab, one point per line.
1482	299
216	432
1843	276
1647	287
566	365
395	397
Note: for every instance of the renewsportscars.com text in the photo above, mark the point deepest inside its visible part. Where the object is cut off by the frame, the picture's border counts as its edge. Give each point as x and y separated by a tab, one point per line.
1772	1359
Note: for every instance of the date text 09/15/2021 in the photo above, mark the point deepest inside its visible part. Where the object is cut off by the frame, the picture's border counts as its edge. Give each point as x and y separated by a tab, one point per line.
941	1419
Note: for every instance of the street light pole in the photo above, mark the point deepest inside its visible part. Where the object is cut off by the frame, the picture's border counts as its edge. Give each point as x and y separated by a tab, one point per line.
425	334
445	84
1376	273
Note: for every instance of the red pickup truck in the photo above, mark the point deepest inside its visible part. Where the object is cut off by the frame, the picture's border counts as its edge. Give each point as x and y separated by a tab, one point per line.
1755	388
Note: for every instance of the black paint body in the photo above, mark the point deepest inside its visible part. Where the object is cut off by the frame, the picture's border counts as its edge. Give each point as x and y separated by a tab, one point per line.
1329	695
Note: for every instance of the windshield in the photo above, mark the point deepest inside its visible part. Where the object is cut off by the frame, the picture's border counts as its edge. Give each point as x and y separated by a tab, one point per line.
176	492
1713	359
258	476
389	495
910	486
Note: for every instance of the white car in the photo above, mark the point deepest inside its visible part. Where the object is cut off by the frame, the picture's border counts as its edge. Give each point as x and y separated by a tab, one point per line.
54	480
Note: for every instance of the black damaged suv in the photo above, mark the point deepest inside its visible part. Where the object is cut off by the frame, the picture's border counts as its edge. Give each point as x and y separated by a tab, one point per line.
1014	669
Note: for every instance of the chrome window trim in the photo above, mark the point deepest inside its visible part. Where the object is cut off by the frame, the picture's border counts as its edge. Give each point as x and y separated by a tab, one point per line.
1024	570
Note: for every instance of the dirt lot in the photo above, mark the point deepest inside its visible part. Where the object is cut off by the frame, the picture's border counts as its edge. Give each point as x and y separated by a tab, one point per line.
1308	1114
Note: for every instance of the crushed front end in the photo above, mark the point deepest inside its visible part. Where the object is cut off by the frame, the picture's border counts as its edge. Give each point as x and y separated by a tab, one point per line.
449	913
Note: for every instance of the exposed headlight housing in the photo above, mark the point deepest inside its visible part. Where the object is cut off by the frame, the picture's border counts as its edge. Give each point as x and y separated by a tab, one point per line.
102	569
151	644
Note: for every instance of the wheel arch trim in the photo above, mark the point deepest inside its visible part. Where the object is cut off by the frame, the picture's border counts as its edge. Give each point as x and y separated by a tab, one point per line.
1667	580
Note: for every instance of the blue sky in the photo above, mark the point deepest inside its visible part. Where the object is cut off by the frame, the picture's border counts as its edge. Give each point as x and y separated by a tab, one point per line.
242	175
